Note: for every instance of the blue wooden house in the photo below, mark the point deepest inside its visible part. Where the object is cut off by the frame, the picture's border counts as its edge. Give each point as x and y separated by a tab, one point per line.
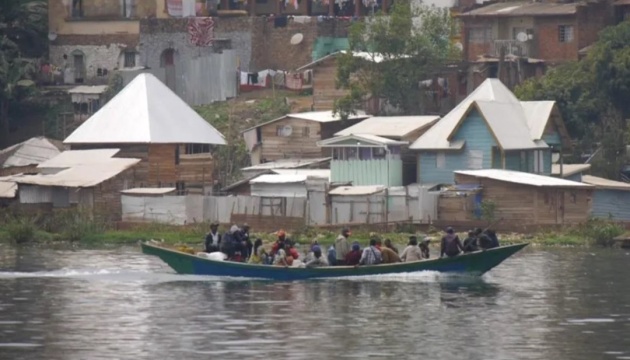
611	199
491	129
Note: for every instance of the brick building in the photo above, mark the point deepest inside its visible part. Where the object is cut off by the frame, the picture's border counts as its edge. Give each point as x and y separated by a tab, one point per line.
517	40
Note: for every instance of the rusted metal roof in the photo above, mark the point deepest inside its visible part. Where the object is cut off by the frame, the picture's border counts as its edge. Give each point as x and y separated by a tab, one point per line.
511	9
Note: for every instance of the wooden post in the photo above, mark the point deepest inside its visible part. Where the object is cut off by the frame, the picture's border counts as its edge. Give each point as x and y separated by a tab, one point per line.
331	7
357	7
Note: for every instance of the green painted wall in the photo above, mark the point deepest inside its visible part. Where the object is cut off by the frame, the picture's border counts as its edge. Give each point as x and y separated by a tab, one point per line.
367	172
325	45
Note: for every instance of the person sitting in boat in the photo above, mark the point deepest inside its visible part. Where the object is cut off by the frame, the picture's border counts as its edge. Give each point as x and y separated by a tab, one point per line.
483	240
342	247
371	254
289	248
213	239
259	255
389	245
246	240
388	255
354	256
282	237
332	255
280	258
494	240
451	245
318	260
424	247
412	252
309	256
230	242
470	243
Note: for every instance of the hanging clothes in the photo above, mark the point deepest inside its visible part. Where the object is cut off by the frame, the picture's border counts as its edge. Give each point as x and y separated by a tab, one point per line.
201	31
252	78
174	8
189	8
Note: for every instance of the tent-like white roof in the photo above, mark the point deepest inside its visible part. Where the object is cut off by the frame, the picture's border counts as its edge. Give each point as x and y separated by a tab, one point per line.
523	178
146	111
30	152
389	126
508	119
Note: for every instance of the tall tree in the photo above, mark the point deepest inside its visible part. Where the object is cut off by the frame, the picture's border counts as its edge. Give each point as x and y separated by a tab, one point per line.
23	28
401	49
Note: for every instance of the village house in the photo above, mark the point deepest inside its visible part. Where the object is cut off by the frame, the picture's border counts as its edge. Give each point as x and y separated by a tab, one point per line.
293	165
244	186
90	180
492	129
295	136
25	156
611	199
515	40
146	120
519	198
86	100
375	151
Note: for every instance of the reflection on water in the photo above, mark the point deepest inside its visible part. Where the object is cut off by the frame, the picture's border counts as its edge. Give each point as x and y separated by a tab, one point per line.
106	304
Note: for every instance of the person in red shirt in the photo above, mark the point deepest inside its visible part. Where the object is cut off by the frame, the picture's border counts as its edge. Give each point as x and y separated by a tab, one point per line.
281	234
354	256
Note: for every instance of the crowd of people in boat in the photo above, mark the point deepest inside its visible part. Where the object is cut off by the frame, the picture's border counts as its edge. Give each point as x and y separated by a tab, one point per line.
236	245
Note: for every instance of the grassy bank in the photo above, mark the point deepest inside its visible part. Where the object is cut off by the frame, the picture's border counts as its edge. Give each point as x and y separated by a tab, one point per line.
79	229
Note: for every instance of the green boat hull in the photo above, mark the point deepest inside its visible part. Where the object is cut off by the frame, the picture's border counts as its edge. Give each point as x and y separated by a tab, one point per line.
476	263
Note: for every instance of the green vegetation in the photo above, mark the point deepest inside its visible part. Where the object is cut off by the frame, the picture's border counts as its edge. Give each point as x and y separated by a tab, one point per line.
592	97
232	117
23	29
415	43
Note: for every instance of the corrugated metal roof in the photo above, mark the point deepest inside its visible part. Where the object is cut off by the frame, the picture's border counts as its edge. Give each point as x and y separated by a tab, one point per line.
278	179
537	114
8	189
389	126
318	116
504	113
148	191
528	8
286	164
518	177
30	152
361	139
356	190
569	169
80	157
146	111
318	173
602	183
85	89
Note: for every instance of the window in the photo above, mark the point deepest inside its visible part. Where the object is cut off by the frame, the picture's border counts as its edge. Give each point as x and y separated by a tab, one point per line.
480	35
130	59
351	153
127	7
365	153
565	33
378	153
523	164
177	155
167	58
517	30
539	163
180	188
440	160
306	131
475	159
197	149
77	8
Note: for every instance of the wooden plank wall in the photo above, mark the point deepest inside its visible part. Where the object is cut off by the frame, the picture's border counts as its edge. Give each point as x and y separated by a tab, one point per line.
276	147
107	197
324	85
162	168
195	171
14	170
455	208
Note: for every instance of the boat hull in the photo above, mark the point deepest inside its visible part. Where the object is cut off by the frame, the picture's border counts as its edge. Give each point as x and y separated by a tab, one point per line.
476	263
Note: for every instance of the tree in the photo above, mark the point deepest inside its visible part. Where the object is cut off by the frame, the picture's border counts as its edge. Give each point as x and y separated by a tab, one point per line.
403	48
23	31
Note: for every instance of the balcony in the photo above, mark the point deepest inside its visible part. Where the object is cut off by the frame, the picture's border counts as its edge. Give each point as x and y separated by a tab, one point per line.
511	47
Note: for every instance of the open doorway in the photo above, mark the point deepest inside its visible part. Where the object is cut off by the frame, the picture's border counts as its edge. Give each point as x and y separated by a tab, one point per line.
167	62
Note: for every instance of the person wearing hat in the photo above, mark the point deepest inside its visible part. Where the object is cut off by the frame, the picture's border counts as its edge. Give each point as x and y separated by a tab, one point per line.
342	247
412	252
354	256
282	236
451	245
318	259
213	238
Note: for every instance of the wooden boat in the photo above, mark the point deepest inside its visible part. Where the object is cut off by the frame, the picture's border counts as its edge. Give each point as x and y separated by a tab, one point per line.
476	263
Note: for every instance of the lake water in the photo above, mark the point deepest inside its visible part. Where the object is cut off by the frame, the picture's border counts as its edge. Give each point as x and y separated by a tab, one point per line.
120	304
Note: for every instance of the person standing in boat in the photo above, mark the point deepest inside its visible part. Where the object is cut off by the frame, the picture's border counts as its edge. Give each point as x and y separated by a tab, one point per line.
213	238
494	240
247	241
342	248
412	252
354	256
318	260
371	255
451	245
282	236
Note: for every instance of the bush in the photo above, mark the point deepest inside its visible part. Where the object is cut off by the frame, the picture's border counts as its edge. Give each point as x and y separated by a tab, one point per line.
601	232
74	224
20	230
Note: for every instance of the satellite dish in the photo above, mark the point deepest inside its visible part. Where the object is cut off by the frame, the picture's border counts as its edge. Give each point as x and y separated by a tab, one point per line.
297	38
286	131
522	37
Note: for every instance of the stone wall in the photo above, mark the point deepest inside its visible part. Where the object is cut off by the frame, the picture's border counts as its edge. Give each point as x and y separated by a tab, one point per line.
95	57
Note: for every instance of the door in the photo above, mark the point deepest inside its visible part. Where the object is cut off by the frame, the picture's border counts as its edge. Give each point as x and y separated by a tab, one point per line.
168	63
79	68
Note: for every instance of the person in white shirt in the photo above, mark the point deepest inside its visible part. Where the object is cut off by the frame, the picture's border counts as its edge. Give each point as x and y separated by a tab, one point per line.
412	252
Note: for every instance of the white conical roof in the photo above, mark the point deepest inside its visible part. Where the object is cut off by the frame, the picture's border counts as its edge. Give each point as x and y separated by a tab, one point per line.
146	111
